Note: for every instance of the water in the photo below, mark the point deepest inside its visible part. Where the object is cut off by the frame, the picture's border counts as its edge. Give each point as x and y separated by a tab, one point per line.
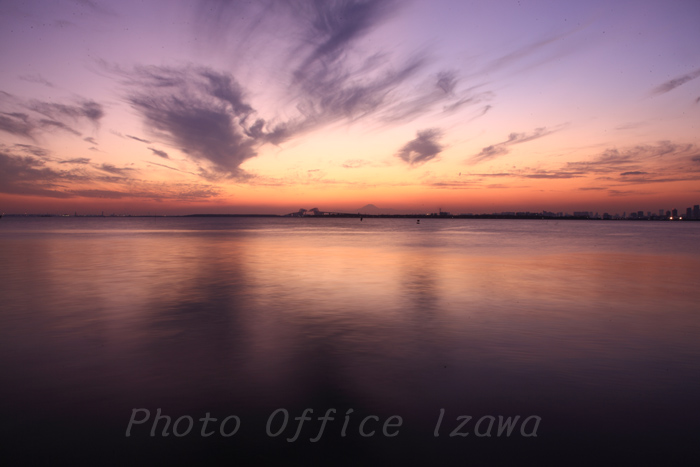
589	327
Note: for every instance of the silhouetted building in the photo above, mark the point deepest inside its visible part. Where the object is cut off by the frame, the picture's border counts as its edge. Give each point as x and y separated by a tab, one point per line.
674	213
688	213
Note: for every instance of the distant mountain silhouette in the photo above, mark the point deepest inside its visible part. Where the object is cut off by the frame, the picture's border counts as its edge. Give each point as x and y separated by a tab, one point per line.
372	209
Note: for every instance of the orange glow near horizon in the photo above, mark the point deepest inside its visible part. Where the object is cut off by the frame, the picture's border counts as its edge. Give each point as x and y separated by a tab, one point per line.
482	120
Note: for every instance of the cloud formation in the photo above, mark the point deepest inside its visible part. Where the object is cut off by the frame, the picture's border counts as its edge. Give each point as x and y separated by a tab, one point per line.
202	112
329	78
675	82
500	149
87	109
122	171
662	162
16	123
27	175
36	78
160	153
424	147
140	140
30	175
355	163
29	118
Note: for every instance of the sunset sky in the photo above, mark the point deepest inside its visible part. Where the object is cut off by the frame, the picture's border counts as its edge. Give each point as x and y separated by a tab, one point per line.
270	106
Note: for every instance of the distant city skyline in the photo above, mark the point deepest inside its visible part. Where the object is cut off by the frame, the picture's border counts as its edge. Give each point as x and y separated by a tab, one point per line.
690	213
215	106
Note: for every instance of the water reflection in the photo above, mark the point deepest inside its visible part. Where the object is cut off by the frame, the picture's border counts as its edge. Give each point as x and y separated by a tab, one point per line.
380	319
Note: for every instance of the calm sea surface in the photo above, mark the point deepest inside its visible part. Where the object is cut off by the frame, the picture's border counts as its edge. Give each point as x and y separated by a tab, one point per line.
590	328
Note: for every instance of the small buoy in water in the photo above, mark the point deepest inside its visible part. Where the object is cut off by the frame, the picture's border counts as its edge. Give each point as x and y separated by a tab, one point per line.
360	219
417	221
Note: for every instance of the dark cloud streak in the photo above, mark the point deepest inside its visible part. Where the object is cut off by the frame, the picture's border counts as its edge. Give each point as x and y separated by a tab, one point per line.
674	83
500	149
160	153
140	140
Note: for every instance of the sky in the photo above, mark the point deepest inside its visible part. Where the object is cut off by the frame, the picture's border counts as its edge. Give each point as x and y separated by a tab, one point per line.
227	106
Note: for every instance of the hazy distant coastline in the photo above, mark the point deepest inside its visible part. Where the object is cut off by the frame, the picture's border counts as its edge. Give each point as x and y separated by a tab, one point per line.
525	216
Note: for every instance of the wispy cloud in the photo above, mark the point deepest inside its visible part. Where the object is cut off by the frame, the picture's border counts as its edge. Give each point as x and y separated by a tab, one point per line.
675	82
136	138
34	176
629	160
31	149
86	109
53	124
663	162
16	123
160	153
528	50
36	78
28	175
28	118
122	171
95	7
168	167
355	163
330	79
426	146
551	174
629	192
442	88
499	149
202	112
77	160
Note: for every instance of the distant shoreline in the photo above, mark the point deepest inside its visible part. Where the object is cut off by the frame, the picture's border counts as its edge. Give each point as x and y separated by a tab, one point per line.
371	216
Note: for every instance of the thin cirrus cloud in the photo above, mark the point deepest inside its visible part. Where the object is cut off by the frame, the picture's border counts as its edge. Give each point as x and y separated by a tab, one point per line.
625	161
662	162
355	163
27	175
676	82
17	123
160	153
121	171
53	124
77	160
87	109
136	138
207	115
442	89
36	78
31	149
499	149
29	118
329	81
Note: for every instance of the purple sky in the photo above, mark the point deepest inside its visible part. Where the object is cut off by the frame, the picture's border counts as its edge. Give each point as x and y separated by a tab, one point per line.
472	106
